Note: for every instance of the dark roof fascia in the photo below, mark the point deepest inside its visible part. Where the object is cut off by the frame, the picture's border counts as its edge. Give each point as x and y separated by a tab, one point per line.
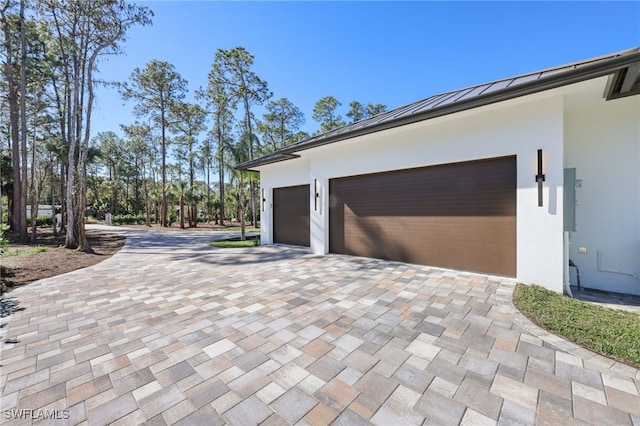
276	157
624	83
576	75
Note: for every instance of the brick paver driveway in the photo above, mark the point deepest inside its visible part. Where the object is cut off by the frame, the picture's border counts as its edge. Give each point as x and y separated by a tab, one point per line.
171	331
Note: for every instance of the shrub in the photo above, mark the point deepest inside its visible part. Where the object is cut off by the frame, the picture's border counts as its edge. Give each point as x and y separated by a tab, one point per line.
4	242
42	221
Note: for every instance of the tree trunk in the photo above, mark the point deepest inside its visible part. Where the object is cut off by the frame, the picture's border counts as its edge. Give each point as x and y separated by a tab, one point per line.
254	214
23	125
53	202
18	221
83	243
209	205
71	238
146	198
63	198
252	184
241	214
35	189
181	211
221	177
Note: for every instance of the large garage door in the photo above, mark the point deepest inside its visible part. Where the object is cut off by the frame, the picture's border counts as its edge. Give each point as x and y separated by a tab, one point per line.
459	216
291	215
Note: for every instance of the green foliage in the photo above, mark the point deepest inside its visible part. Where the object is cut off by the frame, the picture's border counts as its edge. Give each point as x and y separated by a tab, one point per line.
235	244
5	210
20	252
4	242
42	221
281	125
610	332
325	113
237	229
130	219
172	217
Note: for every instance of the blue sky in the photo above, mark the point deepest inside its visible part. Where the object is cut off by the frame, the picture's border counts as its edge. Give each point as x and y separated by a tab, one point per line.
383	52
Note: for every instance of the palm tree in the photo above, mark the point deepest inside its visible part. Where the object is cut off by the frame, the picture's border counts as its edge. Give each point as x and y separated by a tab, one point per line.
177	190
193	196
241	153
155	196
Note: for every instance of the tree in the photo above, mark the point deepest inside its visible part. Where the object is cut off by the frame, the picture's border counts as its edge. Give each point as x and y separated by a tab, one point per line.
280	126
356	111
233	69
359	112
240	154
83	32
325	113
188	121
375	109
6	183
113	155
155	89
17	60
138	144
178	189
220	104
206	156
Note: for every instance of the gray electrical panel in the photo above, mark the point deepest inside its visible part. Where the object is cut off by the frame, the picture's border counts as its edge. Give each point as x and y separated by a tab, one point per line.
569	192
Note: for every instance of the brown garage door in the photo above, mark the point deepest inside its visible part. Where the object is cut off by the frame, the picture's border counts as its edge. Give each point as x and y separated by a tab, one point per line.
459	216
291	215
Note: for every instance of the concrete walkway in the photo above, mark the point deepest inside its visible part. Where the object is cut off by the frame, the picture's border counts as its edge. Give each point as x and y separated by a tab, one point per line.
171	331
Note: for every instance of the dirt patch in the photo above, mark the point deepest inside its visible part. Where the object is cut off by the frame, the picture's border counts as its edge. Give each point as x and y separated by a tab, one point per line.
56	260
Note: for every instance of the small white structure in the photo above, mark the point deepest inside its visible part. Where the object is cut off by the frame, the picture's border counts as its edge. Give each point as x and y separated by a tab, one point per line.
495	178
44	210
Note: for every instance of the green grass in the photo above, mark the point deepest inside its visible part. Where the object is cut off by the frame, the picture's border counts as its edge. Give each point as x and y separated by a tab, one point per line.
609	332
237	229
20	252
234	244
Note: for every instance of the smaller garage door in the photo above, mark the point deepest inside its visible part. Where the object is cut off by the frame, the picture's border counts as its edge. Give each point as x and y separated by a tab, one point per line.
291	215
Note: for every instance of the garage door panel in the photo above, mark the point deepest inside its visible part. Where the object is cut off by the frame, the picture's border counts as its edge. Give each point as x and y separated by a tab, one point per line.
484	194
459	216
291	215
444	241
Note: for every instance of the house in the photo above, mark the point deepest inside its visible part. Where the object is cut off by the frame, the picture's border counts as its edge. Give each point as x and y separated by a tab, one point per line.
514	178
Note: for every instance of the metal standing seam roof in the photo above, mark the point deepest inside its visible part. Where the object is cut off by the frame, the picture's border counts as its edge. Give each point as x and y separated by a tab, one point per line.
624	65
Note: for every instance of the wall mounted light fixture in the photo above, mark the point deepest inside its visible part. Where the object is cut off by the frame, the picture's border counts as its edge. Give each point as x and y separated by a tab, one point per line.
264	199
540	178
316	191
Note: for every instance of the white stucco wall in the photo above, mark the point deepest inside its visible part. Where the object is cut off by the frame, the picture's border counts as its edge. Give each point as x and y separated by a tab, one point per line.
277	175
602	141
518	127
515	127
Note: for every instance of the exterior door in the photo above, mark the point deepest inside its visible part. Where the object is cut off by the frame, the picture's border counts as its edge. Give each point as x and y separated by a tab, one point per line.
291	215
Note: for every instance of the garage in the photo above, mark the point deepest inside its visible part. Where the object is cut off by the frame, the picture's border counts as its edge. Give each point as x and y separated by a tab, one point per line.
459	215
291	215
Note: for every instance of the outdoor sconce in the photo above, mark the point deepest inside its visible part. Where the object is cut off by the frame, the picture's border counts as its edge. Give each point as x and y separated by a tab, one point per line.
264	199
316	189
540	178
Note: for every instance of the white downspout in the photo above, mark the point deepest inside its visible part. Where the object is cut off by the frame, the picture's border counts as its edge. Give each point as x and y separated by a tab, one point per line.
567	284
